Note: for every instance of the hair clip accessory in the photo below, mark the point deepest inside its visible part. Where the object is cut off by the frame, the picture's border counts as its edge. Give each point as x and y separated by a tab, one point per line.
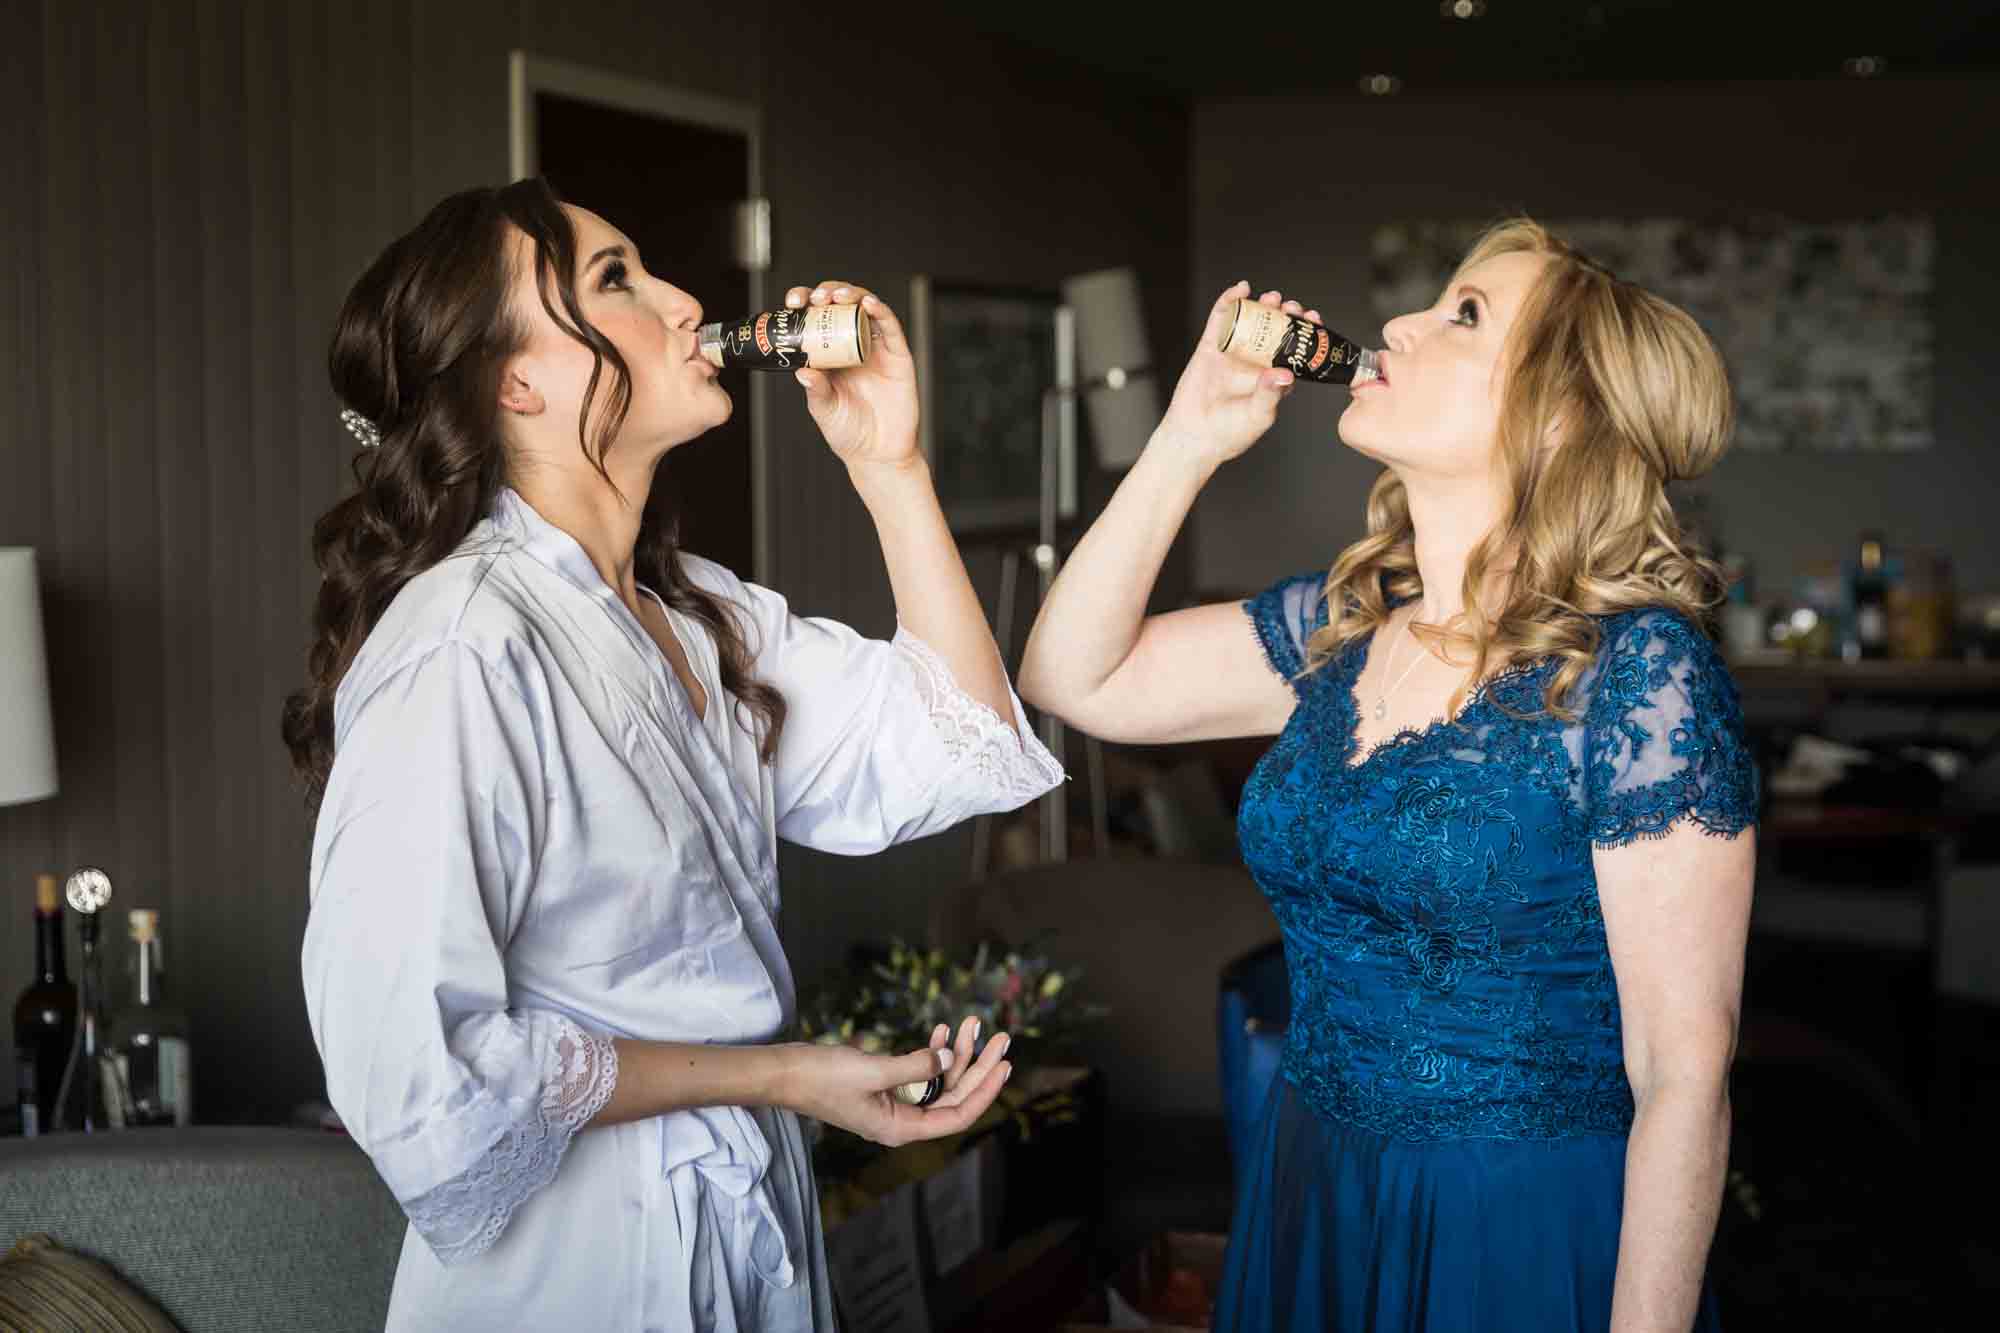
361	428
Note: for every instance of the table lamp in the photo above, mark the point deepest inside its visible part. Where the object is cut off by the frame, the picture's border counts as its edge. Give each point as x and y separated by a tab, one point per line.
27	735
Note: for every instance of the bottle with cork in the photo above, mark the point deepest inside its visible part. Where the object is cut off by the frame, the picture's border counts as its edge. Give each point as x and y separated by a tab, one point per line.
149	1070
44	1016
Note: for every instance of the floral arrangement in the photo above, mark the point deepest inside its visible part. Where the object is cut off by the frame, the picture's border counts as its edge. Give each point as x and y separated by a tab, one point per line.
894	1004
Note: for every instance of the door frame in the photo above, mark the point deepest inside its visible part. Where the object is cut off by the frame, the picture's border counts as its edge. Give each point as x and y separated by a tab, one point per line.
529	74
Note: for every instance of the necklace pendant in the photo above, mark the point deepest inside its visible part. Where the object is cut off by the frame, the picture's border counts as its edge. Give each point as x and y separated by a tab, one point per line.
1381	709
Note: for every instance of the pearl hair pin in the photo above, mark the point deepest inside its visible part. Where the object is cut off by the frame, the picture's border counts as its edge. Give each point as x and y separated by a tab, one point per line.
361	428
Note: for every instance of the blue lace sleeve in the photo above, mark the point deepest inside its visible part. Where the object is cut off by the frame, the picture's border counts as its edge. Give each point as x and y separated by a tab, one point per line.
1664	735
1285	616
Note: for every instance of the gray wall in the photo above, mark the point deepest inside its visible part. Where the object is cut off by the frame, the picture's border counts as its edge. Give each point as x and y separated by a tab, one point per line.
188	190
1287	193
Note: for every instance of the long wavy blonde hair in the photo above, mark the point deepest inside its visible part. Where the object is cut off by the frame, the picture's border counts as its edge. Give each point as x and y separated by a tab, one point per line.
1611	393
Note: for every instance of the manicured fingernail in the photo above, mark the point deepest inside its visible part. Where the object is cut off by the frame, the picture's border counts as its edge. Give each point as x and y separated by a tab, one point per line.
941	1030
944	1057
842	293
792	299
818	292
974	1025
1006	1042
1006	1073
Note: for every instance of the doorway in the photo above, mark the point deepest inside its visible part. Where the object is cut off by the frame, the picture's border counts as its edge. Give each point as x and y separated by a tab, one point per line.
678	172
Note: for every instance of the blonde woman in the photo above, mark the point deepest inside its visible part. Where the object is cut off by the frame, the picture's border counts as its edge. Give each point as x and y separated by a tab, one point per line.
1506	826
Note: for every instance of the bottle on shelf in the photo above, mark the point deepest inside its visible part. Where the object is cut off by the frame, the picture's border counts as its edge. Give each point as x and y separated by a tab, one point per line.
44	1016
1743	620
1869	592
148	1073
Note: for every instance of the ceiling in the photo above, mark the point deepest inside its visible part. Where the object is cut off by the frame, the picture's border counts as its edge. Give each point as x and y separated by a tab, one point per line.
1219	51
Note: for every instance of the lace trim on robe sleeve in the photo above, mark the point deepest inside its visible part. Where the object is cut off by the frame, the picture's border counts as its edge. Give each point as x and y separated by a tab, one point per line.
1011	763
463	1217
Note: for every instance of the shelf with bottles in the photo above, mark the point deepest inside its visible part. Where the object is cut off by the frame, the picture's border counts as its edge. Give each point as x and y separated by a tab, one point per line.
1882	611
74	1069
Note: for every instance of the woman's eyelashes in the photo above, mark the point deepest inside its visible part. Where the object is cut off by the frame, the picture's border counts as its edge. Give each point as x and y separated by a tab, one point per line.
616	278
1468	314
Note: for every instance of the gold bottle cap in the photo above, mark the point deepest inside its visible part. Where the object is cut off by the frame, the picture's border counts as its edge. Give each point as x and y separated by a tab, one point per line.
922	1093
145	923
48	895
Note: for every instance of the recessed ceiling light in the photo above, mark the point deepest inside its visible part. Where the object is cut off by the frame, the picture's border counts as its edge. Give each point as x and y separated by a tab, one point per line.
1462	9
1865	67
1380	85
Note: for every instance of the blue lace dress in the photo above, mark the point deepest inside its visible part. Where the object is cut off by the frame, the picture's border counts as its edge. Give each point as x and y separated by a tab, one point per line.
1445	1147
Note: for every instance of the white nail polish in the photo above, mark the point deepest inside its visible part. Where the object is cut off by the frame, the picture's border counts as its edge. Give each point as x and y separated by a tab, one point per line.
944	1057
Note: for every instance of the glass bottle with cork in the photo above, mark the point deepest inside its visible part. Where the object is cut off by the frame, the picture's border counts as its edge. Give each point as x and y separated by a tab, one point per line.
149	1078
44	1016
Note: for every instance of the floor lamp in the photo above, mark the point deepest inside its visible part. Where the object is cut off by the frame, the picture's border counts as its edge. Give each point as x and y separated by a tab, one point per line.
1102	359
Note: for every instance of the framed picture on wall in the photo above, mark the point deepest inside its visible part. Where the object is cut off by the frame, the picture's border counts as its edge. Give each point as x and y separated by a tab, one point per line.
986	359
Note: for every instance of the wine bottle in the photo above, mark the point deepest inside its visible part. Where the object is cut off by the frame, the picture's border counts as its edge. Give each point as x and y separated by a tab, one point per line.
44	1016
150	1074
1870	591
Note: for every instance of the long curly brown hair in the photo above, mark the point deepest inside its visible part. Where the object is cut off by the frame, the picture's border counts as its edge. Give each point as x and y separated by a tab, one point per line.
1642	400
418	350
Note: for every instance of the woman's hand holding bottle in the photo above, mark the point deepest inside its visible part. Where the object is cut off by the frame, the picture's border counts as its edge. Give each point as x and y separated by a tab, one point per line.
857	1091
1221	406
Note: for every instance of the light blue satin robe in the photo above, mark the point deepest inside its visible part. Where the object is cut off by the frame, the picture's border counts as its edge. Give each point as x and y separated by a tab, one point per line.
529	844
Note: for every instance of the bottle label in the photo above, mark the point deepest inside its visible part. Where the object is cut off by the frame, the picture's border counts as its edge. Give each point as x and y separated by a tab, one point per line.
1263	336
825	337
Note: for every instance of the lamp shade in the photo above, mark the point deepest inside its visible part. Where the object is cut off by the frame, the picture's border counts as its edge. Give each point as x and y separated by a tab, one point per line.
1111	336
27	735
